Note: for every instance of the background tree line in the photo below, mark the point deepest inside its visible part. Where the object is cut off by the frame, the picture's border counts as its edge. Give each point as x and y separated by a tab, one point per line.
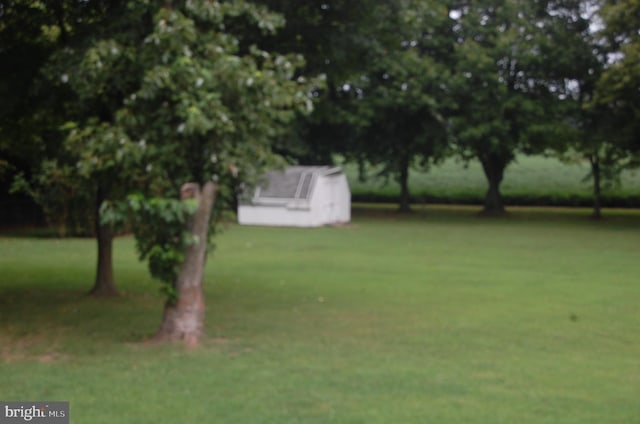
488	80
408	83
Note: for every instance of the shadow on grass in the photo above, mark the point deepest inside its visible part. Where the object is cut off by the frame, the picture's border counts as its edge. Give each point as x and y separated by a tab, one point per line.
38	232
40	318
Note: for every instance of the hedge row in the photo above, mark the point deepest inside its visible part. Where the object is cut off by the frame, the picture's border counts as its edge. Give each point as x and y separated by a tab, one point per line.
510	199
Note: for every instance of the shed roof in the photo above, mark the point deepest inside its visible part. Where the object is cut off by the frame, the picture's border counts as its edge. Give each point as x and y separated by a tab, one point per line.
294	183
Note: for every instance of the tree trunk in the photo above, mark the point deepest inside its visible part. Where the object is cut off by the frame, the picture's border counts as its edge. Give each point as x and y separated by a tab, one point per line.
494	171
403	179
597	198
184	317
104	285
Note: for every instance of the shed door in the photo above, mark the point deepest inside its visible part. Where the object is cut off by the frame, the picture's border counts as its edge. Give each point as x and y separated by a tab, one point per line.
333	200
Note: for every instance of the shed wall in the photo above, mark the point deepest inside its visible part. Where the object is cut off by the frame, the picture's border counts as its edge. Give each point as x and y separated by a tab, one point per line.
329	203
277	216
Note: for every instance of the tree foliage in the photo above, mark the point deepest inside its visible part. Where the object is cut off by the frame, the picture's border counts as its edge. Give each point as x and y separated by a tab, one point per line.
161	235
403	97
618	89
505	84
339	39
587	135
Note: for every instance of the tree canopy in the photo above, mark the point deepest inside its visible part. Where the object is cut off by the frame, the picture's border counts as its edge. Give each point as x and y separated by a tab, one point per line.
618	89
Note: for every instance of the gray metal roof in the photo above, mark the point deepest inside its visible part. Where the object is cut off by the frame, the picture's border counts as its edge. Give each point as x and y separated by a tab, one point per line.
292	183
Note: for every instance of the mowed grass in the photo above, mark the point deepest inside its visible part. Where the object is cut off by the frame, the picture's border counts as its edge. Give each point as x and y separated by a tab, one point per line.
530	179
438	317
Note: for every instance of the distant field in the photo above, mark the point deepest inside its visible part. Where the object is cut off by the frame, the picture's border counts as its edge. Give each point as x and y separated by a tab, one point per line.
436	317
531	180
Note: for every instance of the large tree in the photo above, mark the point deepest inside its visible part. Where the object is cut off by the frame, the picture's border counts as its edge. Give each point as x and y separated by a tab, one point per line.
588	130
205	111
68	105
402	96
618	88
506	102
599	125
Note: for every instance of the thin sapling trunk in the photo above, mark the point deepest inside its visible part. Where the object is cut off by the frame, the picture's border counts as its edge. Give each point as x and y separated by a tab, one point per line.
104	285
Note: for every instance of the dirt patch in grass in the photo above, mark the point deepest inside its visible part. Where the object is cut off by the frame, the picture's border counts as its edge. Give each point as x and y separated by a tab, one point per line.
32	347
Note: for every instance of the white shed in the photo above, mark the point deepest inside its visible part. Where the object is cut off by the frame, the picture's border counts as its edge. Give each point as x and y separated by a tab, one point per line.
299	196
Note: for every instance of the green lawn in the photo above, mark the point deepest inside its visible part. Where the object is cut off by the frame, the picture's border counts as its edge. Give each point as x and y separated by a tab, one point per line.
531	179
438	317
